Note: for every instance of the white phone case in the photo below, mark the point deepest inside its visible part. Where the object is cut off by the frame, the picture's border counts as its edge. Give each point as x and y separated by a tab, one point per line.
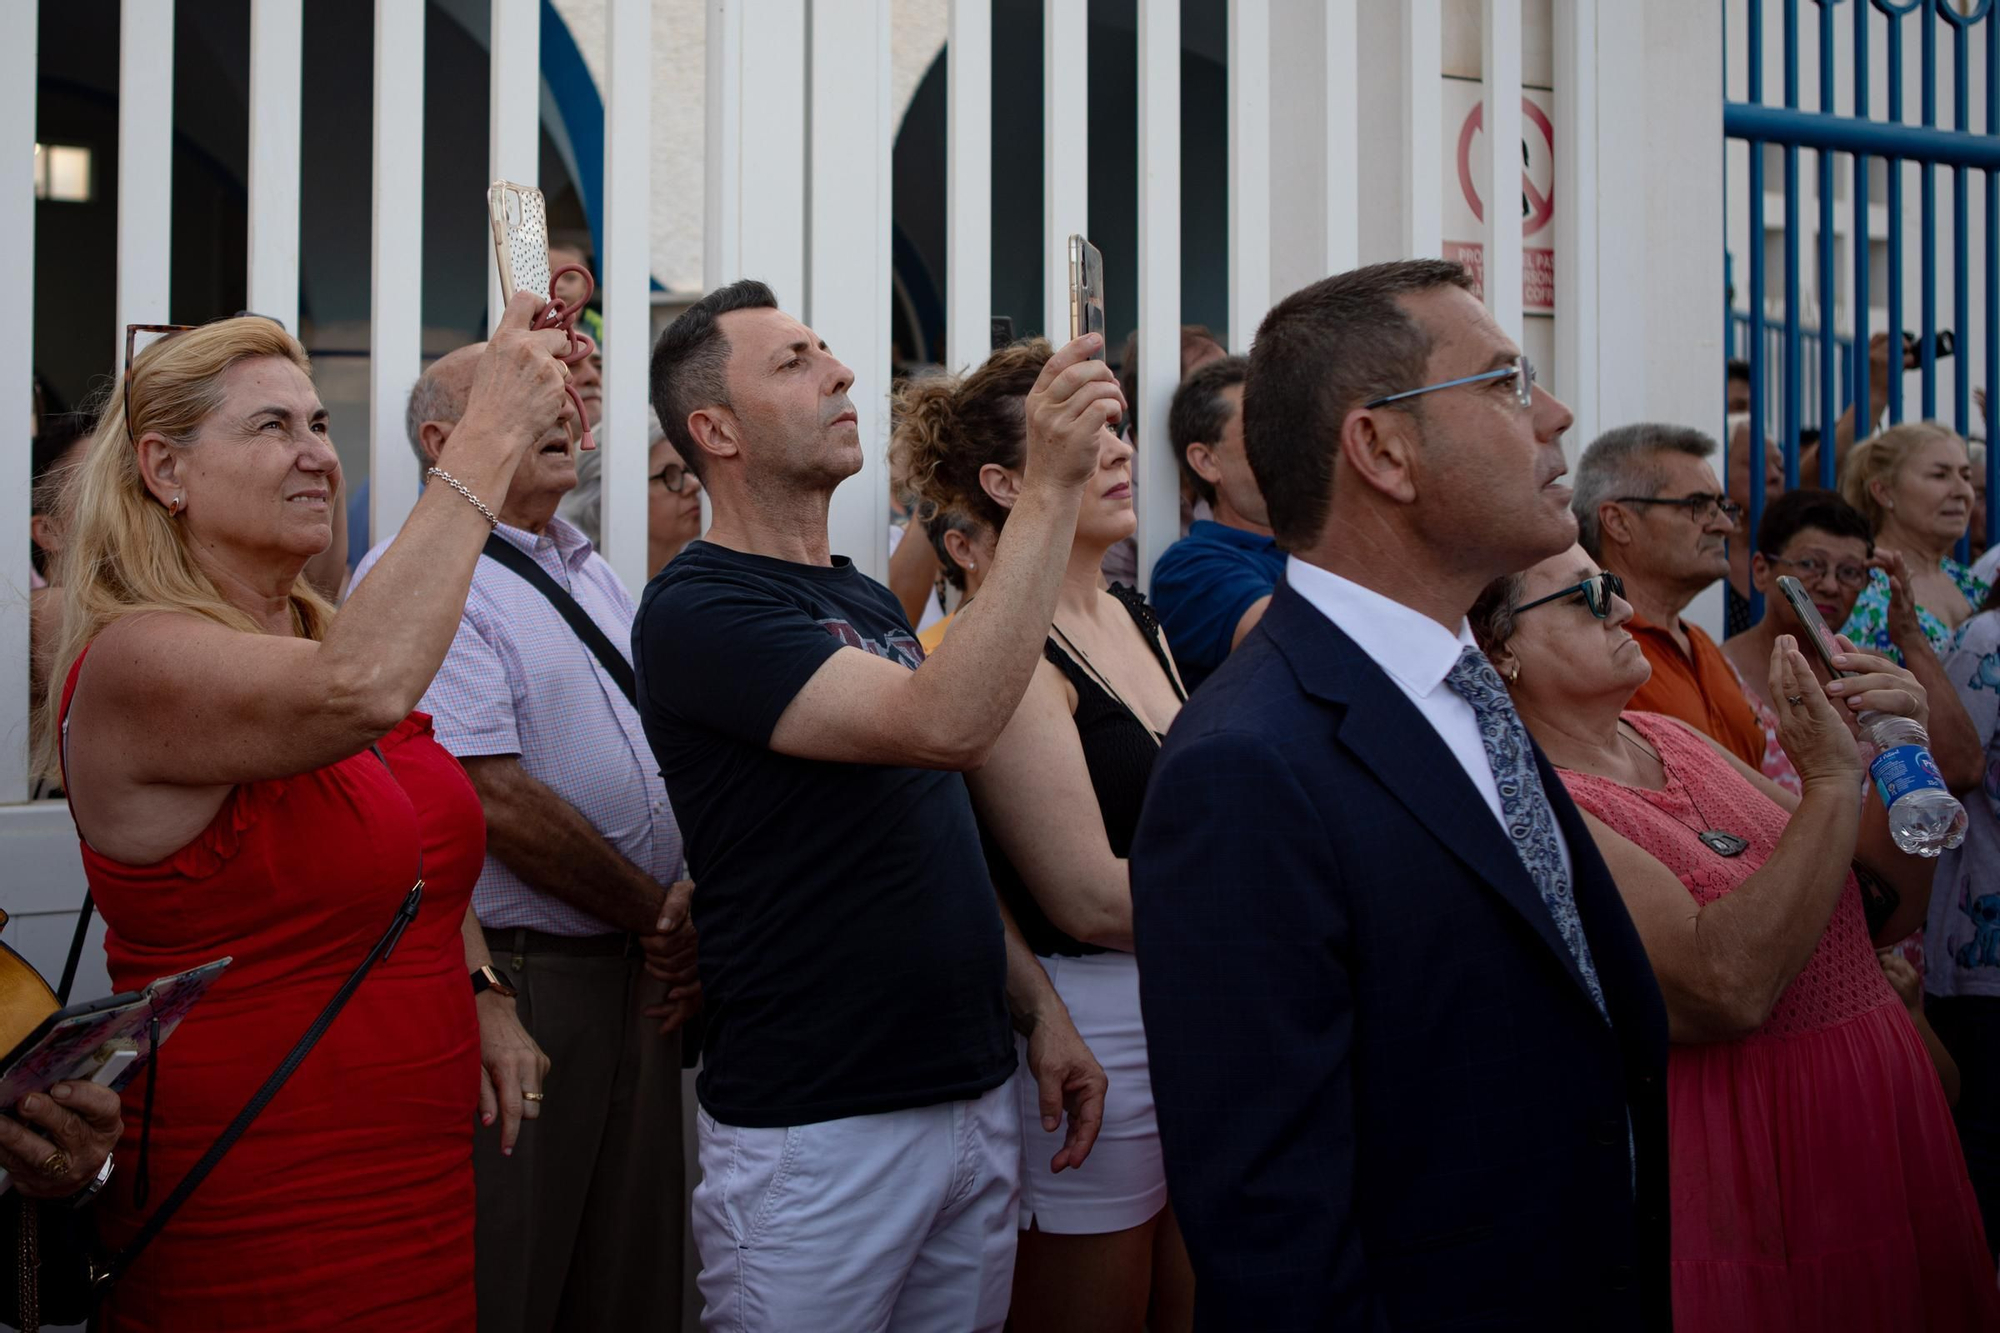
520	237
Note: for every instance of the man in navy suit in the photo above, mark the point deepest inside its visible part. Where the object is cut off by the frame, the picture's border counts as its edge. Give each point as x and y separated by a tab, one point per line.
1408	1055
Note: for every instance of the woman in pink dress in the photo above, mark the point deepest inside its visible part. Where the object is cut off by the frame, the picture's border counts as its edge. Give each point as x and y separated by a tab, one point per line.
1817	1183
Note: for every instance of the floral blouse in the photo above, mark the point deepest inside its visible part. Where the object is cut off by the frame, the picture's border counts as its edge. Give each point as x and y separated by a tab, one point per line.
1868	627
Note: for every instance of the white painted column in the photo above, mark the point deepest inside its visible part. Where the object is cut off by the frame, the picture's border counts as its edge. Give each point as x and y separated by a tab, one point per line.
1249	168
848	269
396	269
514	113
1422	59
968	209
1065	153
1500	43
277	29
1343	136
1574	377
1155	478
18	83
627	276
755	164
145	165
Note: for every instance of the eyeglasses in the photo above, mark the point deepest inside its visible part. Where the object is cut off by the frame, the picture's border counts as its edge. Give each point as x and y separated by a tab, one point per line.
673	476
1522	371
1814	568
1701	507
132	332
1598	590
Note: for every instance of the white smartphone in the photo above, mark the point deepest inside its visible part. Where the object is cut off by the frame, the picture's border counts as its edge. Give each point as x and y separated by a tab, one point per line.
520	237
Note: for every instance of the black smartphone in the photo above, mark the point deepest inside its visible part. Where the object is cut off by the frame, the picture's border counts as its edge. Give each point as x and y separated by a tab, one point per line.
1947	343
1003	331
1086	291
1817	634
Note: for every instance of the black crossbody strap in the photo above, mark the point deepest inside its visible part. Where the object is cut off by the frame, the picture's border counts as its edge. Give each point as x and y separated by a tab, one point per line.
504	552
115	1267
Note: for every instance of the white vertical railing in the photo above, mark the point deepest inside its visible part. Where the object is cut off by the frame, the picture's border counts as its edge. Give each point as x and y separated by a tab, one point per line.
18	83
1500	45
1065	153
627	273
755	166
277	32
145	164
1575	222
968	209
1155	478
1422	34
396	265
1343	135
514	111
1249	168
848	270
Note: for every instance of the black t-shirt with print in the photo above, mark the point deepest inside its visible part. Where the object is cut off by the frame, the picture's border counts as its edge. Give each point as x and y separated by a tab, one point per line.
851	952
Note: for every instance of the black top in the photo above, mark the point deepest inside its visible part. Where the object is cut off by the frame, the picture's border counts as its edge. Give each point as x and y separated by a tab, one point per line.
851	953
1119	750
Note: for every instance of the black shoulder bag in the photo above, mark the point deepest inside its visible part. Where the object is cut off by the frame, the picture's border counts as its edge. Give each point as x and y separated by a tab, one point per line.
503	552
61	1271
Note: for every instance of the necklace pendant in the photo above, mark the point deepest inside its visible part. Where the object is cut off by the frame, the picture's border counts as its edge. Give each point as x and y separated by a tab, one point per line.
1723	844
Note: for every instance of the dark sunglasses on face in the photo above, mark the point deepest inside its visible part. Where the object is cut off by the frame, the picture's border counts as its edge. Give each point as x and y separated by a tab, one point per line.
1700	506
1598	590
1814	569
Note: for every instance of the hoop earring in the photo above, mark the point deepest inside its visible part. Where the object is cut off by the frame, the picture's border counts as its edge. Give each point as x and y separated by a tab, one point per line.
1515	674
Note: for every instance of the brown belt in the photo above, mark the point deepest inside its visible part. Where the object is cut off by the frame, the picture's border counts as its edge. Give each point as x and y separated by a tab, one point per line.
518	944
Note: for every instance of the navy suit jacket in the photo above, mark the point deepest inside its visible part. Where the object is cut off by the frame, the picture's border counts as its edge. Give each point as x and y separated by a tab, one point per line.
1385	1097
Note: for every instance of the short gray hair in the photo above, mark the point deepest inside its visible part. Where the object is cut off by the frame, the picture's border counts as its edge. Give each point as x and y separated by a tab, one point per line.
1625	461
433	399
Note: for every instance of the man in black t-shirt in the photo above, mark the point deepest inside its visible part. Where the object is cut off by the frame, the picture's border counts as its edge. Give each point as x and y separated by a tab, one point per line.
859	1140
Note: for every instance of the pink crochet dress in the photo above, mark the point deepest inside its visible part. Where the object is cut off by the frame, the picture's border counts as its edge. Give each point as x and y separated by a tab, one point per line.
1817	1182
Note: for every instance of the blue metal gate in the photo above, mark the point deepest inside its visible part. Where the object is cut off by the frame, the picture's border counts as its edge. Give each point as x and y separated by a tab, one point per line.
1834	359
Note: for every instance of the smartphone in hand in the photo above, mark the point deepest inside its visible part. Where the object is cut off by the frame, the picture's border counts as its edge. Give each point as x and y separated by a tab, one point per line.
520	238
1817	634
1086	291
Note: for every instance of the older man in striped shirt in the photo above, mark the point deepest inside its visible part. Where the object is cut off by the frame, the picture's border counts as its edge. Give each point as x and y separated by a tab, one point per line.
580	1220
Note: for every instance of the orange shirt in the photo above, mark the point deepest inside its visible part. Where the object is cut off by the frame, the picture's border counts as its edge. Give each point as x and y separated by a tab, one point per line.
1700	690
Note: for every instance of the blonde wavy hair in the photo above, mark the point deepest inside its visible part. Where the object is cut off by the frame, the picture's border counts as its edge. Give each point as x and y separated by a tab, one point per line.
122	553
1879	457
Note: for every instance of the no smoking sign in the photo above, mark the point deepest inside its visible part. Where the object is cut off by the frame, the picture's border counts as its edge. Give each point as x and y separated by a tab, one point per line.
1466	189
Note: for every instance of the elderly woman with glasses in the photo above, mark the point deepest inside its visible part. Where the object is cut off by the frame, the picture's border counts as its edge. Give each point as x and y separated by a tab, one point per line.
1815	1177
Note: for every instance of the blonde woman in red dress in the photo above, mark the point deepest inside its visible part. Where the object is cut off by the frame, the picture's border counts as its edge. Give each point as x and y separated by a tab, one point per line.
248	779
1817	1183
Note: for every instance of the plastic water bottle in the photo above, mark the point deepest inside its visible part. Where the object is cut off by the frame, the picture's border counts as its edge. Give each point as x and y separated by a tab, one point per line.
1925	819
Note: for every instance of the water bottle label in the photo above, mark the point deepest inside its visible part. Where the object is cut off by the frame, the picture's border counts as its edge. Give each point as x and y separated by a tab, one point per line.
1903	770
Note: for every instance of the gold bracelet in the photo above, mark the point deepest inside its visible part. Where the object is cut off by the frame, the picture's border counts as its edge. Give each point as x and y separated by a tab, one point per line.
459	486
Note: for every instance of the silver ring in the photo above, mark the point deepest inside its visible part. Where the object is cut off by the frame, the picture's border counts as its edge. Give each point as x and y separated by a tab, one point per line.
1795	699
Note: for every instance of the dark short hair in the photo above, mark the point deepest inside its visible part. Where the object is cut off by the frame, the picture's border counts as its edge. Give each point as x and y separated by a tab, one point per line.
1321	352
1736	368
1201	413
691	363
1795	511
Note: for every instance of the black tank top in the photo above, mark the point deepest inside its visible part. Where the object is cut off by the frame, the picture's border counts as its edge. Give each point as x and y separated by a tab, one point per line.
1119	750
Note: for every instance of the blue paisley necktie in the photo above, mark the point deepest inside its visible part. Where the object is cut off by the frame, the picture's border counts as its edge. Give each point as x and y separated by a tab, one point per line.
1524	806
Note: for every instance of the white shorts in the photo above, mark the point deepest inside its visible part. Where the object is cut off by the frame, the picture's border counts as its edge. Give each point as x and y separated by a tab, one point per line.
894	1223
1123	1182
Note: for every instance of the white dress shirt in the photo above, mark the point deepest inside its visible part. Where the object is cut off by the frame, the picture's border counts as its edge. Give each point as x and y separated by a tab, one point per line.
1417	653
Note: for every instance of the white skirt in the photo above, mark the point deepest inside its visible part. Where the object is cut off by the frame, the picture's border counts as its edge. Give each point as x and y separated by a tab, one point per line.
1123	1183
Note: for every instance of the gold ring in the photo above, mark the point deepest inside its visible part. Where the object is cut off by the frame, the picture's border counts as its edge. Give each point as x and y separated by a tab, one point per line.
56	1164
531	1096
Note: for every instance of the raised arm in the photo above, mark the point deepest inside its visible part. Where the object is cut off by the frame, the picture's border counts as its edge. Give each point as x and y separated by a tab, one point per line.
1244	967
177	700
862	709
1035	798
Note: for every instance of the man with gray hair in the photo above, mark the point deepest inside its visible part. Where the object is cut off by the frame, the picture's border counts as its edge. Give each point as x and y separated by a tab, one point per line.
579	1222
1649	509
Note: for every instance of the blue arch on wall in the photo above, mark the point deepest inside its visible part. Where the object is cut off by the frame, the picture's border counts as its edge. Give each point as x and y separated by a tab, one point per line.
582	110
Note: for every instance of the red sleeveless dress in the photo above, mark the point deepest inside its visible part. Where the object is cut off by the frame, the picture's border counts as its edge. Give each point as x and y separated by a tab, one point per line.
1817	1182
349	1202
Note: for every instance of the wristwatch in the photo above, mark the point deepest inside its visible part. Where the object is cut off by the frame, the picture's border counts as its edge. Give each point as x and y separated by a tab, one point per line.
493	979
90	1189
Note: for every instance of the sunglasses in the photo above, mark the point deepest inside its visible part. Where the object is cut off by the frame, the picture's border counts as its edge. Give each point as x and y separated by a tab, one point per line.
1598	590
166	331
